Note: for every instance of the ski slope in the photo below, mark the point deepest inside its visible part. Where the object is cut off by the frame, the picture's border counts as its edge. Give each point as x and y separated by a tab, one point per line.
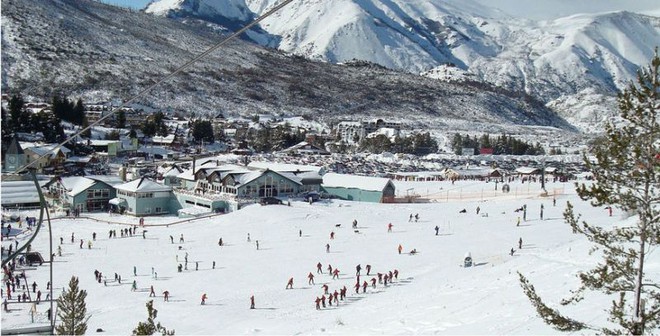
433	294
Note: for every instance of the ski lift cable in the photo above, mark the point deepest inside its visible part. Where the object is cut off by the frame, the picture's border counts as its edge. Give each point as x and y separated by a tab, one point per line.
162	80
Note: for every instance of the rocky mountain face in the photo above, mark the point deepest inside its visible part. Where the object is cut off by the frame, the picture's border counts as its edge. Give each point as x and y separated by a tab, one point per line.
588	57
87	49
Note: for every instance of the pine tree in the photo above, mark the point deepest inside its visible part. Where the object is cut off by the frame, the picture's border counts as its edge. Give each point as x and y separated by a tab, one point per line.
627	176
72	310
150	327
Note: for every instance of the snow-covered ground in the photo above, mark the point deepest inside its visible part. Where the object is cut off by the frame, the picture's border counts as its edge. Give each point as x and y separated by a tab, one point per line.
433	294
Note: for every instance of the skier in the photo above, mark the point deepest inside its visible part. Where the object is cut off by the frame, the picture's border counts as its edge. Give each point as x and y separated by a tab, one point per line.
400	248
289	285
134	286
94	236
252	302
166	296
525	212
220	242
152	292
368	269
357	269
518	223
335	295
248	238
213	264
81	243
34	287
389	227
380	278
554	201
256	241
520	243
135	271
203	299
335	274
332	235
364	287
541	211
355	223
196	265
319	268
329	269
396	274
310	276
436	230
373	282
325	289
511	252
327	248
410	218
357	288
171	239
416	217
478	209
323	300
299	233
181	240
317	301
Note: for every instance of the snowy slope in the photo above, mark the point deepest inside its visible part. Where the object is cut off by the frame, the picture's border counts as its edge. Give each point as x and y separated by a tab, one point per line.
433	294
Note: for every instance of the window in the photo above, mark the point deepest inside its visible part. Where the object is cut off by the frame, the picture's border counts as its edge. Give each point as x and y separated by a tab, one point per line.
159	210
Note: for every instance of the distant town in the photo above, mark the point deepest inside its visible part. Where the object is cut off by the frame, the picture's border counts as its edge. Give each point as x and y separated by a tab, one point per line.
140	162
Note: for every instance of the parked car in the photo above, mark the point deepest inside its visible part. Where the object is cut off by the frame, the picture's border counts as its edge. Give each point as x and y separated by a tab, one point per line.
311	195
270	200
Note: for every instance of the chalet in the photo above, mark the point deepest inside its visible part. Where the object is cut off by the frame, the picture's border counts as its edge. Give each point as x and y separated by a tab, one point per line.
84	193
359	188
49	157
144	197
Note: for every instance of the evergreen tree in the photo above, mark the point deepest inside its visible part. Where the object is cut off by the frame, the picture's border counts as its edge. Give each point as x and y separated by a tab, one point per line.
72	311
627	176
202	130
121	119
150	327
78	113
16	110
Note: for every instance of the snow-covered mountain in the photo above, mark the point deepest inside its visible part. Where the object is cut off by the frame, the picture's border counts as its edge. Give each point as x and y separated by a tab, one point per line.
591	55
87	49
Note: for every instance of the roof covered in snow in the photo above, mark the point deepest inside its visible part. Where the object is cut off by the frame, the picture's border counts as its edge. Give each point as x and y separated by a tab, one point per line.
355	181
143	185
285	167
20	192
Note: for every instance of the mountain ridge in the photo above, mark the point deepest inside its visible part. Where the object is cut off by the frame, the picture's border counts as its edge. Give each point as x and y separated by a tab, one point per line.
592	56
101	52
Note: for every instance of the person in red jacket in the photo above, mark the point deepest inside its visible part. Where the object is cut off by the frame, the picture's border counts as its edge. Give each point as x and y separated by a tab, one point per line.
204	298
323	300
319	268
318	303
166	296
364	287
373	282
335	274
289	285
325	289
310	276
336	296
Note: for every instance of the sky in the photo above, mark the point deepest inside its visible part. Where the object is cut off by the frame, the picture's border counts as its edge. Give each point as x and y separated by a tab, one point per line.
540	9
432	295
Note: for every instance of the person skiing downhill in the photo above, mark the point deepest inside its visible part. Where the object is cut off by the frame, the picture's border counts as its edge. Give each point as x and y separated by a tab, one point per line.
319	267
368	269
520	243
289	285
373	282
252	302
325	289
400	248
311	278
436	230
358	268
335	274
204	299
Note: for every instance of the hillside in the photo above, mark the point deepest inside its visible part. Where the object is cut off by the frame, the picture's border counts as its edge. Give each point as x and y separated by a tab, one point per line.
589	57
101	52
